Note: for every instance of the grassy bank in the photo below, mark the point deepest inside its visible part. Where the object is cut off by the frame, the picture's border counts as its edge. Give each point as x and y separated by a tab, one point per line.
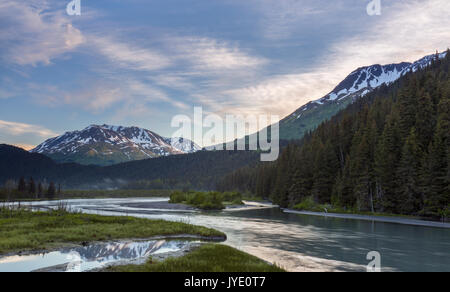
22	229
206	200
206	258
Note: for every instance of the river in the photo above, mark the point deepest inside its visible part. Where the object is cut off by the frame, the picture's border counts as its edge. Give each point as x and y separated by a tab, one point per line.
300	242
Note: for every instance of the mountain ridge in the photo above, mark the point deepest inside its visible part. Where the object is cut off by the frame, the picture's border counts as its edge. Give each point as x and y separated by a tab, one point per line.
107	145
357	84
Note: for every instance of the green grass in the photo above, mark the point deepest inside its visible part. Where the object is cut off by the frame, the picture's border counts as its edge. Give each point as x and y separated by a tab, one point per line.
25	230
206	200
206	258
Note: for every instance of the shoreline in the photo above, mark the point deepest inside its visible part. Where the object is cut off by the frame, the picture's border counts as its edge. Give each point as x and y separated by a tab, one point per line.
384	219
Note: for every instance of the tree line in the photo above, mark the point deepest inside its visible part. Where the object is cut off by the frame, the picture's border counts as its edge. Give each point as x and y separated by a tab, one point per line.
200	170
30	189
387	152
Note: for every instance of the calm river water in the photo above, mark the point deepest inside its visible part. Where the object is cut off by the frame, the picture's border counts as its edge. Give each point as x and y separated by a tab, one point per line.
301	242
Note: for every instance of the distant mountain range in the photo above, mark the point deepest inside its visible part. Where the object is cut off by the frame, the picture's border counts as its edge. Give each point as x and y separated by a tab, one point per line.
107	145
359	83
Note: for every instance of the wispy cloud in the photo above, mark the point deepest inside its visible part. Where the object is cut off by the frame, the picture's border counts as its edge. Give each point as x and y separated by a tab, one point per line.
282	18
279	95
102	95
34	34
6	94
173	80
406	31
211	54
188	64
130	56
17	129
134	72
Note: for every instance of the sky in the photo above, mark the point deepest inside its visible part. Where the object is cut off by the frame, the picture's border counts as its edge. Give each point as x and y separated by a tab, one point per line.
141	62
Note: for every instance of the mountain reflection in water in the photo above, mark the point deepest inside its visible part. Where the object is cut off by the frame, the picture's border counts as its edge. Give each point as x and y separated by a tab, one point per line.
90	257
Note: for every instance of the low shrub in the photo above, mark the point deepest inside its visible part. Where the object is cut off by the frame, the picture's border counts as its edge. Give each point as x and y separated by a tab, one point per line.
206	200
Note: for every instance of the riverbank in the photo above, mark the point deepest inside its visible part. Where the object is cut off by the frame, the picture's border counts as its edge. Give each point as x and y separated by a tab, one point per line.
385	219
22	230
85	194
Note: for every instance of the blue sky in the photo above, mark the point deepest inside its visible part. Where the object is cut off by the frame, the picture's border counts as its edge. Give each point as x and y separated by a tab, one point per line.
141	62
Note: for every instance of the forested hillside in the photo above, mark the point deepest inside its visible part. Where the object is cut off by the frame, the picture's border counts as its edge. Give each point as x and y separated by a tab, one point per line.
16	163
199	170
387	152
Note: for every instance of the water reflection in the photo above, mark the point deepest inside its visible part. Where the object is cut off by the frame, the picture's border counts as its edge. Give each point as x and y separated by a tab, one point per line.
302	242
81	259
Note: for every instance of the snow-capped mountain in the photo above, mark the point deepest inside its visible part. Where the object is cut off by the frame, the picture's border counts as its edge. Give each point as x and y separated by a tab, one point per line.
359	83
365	79
106	145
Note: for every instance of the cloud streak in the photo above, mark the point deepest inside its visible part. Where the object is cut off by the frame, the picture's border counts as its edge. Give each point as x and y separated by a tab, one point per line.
34	34
282	18
17	129
206	54
130	56
407	31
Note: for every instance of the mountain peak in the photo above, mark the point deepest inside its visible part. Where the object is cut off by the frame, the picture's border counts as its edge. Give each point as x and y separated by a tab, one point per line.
107	144
365	79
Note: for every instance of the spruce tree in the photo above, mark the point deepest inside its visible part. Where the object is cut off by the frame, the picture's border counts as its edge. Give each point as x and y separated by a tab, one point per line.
343	195
386	161
435	200
361	171
32	187
22	186
51	192
438	197
408	189
326	169
40	190
425	121
280	194
407	108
